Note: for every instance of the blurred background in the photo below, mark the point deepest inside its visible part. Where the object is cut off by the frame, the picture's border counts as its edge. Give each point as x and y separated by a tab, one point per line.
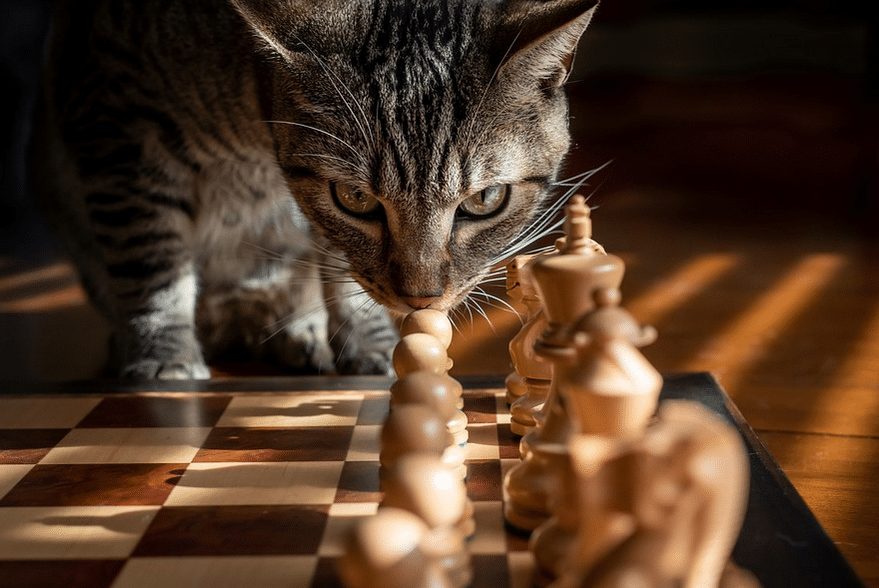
742	192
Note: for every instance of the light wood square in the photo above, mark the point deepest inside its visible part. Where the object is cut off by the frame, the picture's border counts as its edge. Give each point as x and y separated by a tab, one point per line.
238	483
72	532
10	474
326	409
142	445
490	537
482	443
365	443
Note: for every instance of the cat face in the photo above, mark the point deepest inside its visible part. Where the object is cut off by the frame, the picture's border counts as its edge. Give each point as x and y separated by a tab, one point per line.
420	137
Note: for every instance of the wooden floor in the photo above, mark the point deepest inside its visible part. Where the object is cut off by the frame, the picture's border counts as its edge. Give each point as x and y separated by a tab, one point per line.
736	223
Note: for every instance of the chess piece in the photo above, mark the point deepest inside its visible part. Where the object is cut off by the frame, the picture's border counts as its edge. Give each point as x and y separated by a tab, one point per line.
422	485
663	509
577	244
416	428
581	266
420	352
514	382
436	391
611	386
385	551
430	321
412	428
574	285
534	372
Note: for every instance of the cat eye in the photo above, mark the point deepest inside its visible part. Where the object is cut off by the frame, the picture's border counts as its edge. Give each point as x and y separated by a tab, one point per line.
352	200
487	202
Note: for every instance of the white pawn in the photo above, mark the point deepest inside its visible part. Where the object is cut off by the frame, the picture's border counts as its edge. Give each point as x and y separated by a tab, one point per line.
432	322
424	486
437	391
415	428
420	352
385	551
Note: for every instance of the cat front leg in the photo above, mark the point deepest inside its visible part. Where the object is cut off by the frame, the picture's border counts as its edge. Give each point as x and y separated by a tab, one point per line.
141	271
362	333
157	340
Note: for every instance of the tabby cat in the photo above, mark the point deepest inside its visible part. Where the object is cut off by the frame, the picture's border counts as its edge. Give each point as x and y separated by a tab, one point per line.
227	170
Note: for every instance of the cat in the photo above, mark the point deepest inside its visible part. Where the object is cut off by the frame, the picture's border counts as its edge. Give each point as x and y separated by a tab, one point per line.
283	176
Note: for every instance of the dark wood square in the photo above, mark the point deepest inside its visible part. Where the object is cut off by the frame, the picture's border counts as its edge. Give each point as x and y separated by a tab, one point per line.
27	445
95	485
276	444
234	530
96	573
517	539
480	408
484	480
359	482
326	575
508	443
490	570
157	411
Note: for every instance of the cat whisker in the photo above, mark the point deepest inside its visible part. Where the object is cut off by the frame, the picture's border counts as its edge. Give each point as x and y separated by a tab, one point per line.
453	313
482	312
502	304
583	175
321	131
366	318
469	311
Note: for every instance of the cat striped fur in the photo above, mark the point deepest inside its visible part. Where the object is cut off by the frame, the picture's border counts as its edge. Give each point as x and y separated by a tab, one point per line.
275	176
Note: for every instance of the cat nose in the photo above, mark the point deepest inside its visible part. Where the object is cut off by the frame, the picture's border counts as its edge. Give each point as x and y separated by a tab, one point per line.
418	302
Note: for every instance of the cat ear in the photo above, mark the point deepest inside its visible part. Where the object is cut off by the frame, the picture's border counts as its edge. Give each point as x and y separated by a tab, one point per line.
543	37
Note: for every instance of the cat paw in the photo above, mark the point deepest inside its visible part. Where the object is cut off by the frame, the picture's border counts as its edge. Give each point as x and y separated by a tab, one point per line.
303	351
376	363
153	369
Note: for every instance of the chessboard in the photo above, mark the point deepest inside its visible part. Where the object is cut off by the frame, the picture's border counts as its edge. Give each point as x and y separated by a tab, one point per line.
255	482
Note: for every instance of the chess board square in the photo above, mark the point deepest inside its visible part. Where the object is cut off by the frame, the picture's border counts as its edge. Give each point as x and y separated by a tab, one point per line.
218	572
365	443
10	474
156	411
86	573
501	408
226	444
480	407
234	530
138	445
507	442
490	570
326	409
359	482
343	517
94	485
484	480
72	532
44	412
374	410
27	445
482	443
326	575
521	566
490	537
231	483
